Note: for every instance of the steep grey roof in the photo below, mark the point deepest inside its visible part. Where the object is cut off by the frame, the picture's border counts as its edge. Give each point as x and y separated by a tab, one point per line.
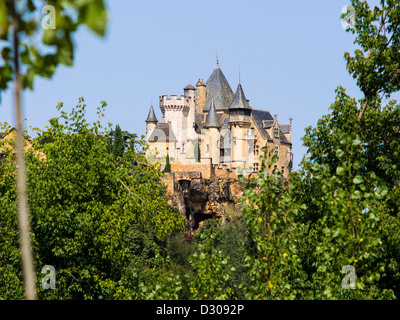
239	100
162	133
259	116
264	120
199	117
285	128
152	116
219	116
282	137
225	124
218	89
212	118
198	120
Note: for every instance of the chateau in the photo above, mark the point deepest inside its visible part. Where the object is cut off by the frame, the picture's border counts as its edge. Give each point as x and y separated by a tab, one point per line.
211	129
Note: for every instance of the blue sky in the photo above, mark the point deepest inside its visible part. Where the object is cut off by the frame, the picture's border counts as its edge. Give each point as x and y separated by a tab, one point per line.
290	54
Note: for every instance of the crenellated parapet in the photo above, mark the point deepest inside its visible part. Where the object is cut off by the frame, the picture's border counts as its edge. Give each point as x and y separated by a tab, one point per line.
173	103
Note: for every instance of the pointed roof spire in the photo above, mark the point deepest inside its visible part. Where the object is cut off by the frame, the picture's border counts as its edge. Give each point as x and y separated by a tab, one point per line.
239	100
212	118
217	60
152	116
218	88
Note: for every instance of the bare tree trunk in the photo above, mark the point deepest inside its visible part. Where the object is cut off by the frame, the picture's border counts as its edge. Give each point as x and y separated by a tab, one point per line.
22	203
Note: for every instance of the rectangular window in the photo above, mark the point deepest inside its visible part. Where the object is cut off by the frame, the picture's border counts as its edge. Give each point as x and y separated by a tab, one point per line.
283	171
256	167
208	149
276	132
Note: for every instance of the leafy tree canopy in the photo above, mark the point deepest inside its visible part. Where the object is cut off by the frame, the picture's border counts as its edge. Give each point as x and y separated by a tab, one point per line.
86	210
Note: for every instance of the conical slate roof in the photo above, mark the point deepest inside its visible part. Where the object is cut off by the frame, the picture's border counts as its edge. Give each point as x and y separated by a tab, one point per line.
189	87
239	100
219	89
152	116
225	124
212	118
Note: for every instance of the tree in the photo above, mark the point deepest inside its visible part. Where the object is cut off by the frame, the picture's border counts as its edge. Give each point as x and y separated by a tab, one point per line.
210	273
271	257
167	164
17	22
92	217
340	208
347	185
375	65
118	146
197	150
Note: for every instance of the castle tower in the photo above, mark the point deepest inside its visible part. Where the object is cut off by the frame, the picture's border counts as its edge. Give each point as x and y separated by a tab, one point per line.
212	139
190	135
200	96
239	119
151	123
190	103
175	111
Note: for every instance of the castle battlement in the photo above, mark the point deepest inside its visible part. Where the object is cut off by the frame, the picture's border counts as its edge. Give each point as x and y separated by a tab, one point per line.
172	98
173	102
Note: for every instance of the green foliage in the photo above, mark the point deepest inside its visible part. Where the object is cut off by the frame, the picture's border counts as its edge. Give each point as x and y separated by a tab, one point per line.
118	146
197	150
341	215
211	272
84	206
167	164
375	65
272	256
56	47
231	239
107	228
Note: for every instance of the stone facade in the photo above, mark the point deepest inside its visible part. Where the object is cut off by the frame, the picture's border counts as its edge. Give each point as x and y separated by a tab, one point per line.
209	125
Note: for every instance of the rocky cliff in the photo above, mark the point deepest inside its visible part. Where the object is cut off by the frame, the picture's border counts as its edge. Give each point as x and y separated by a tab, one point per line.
199	199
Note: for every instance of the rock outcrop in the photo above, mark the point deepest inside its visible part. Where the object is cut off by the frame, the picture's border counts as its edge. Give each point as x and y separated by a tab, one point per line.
199	199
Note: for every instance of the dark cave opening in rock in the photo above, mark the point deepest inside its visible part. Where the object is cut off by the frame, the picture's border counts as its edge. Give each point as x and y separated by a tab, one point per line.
185	184
197	218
